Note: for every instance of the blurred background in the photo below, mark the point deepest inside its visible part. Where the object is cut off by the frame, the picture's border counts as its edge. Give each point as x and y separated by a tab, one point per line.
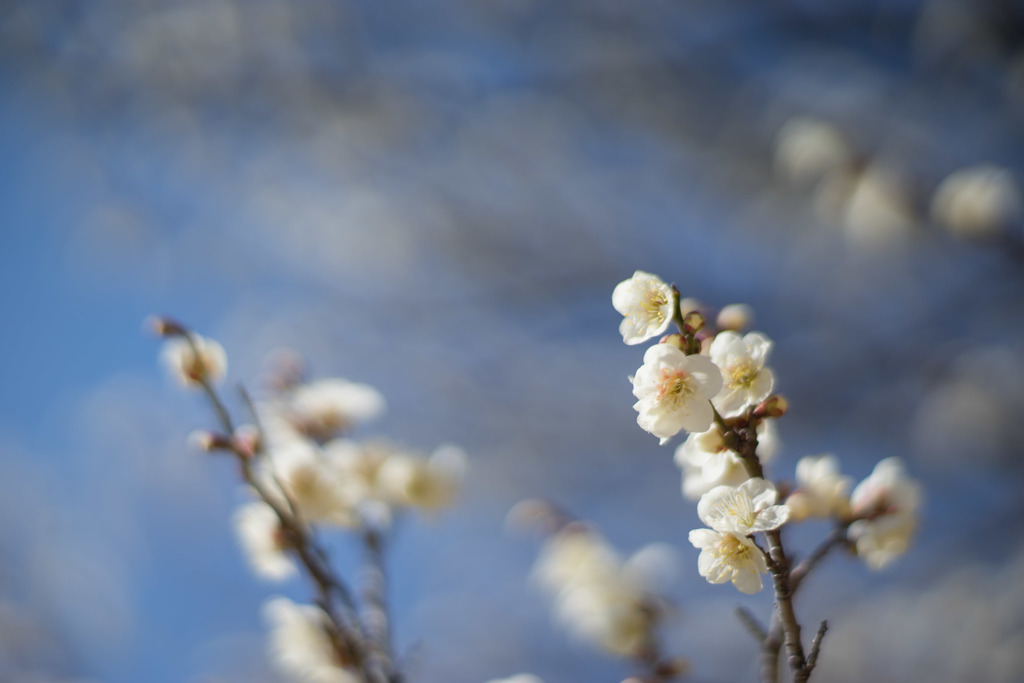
437	199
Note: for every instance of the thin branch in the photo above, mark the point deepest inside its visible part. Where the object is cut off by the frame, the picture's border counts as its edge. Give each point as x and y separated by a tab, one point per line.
835	538
752	625
812	659
376	605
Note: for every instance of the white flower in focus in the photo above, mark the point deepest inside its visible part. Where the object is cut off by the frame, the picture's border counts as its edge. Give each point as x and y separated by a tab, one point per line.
429	483
707	463
647	303
259	532
820	490
324	408
745	509
980	201
729	556
191	367
888	499
299	644
675	391
733	513
745	379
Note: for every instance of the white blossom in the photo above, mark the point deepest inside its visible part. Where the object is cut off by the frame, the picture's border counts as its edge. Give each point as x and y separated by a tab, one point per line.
887	500
429	483
326	407
312	484
821	491
745	509
299	644
674	391
598	597
980	201
733	513
207	361
745	379
259	533
707	463
729	556
647	303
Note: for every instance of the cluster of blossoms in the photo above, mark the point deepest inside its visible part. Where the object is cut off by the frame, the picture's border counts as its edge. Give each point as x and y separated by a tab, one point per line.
613	603
308	473
717	387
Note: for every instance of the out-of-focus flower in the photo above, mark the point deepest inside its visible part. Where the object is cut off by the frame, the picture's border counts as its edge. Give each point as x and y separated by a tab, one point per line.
807	150
597	596
315	487
878	212
299	643
206	362
888	500
429	483
707	463
518	678
675	391
736	317
745	379
977	202
733	513
821	491
259	532
327	407
647	303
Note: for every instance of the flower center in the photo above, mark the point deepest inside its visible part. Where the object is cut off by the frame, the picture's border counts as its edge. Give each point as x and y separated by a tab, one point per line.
676	386
738	507
732	549
743	374
654	302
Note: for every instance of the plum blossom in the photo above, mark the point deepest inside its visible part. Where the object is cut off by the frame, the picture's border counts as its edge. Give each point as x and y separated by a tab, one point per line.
259	533
299	643
745	379
647	303
598	597
674	391
820	490
886	503
327	407
428	483
312	483
733	513
707	463
196	361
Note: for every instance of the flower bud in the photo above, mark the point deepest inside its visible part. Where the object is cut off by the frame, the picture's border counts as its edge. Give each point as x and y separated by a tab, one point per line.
165	327
676	340
248	441
773	406
693	322
736	317
210	441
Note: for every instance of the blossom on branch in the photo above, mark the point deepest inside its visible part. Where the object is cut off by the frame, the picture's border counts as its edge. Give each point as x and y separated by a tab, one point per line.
820	490
648	304
706	462
675	391
300	646
193	360
259	533
745	380
734	513
887	502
